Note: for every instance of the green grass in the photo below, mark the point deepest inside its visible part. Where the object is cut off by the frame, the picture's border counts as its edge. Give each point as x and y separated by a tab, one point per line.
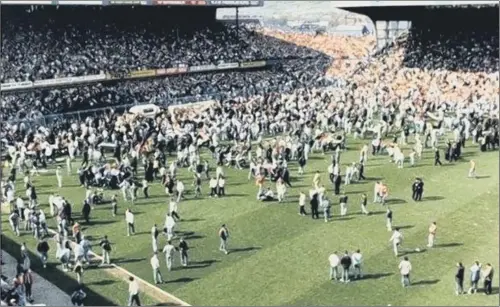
282	257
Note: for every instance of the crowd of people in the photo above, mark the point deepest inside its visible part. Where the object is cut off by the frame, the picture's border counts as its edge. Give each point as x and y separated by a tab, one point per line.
55	42
222	85
386	101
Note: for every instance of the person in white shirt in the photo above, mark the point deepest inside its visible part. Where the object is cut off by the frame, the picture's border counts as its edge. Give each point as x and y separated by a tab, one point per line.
173	209
124	186
475	276
302	204
154	238
59	176
325	204
155	265
68	165
316	180
348	175
79	252
334	261
169	226
129	218
221	186
213	187
133	292
412	157
169	250
280	189
396	240
219	172
357	262
405	269
180	190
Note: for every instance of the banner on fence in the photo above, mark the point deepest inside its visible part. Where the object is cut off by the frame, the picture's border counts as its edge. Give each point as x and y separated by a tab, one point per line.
227	65
69	80
16	85
171	71
253	64
142	73
202	68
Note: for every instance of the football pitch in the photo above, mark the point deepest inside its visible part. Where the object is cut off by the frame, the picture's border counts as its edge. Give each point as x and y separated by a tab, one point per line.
280	258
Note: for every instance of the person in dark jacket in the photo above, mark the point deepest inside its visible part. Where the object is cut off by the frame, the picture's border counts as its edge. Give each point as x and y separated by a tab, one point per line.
86	211
459	279
414	190
43	250
314	206
337	181
183	250
346	263
437	157
28	285
420	189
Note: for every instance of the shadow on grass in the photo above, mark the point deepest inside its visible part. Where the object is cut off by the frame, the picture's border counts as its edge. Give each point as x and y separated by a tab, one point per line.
432	198
377	275
455	244
244	249
192	220
181	280
426	282
127	260
55	276
377	212
395	201
404	227
103	282
200	264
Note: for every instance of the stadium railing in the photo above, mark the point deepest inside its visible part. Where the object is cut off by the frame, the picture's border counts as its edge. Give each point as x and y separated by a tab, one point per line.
181	69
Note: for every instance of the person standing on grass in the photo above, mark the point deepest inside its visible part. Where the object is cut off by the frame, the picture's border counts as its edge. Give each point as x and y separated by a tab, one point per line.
437	157
169	254
59	176
325	203
133	292
221	183
14	220
155	265
346	263
364	203
197	185
129	219
114	205
302	204
79	271
86	211
459	279
314	206
396	240
180	190
224	237
173	207
334	261
472	169
405	269
183	250
432	235
488	279
145	188
388	219
169	227
43	249
106	249
475	275
213	187
343	205
357	262
154	237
